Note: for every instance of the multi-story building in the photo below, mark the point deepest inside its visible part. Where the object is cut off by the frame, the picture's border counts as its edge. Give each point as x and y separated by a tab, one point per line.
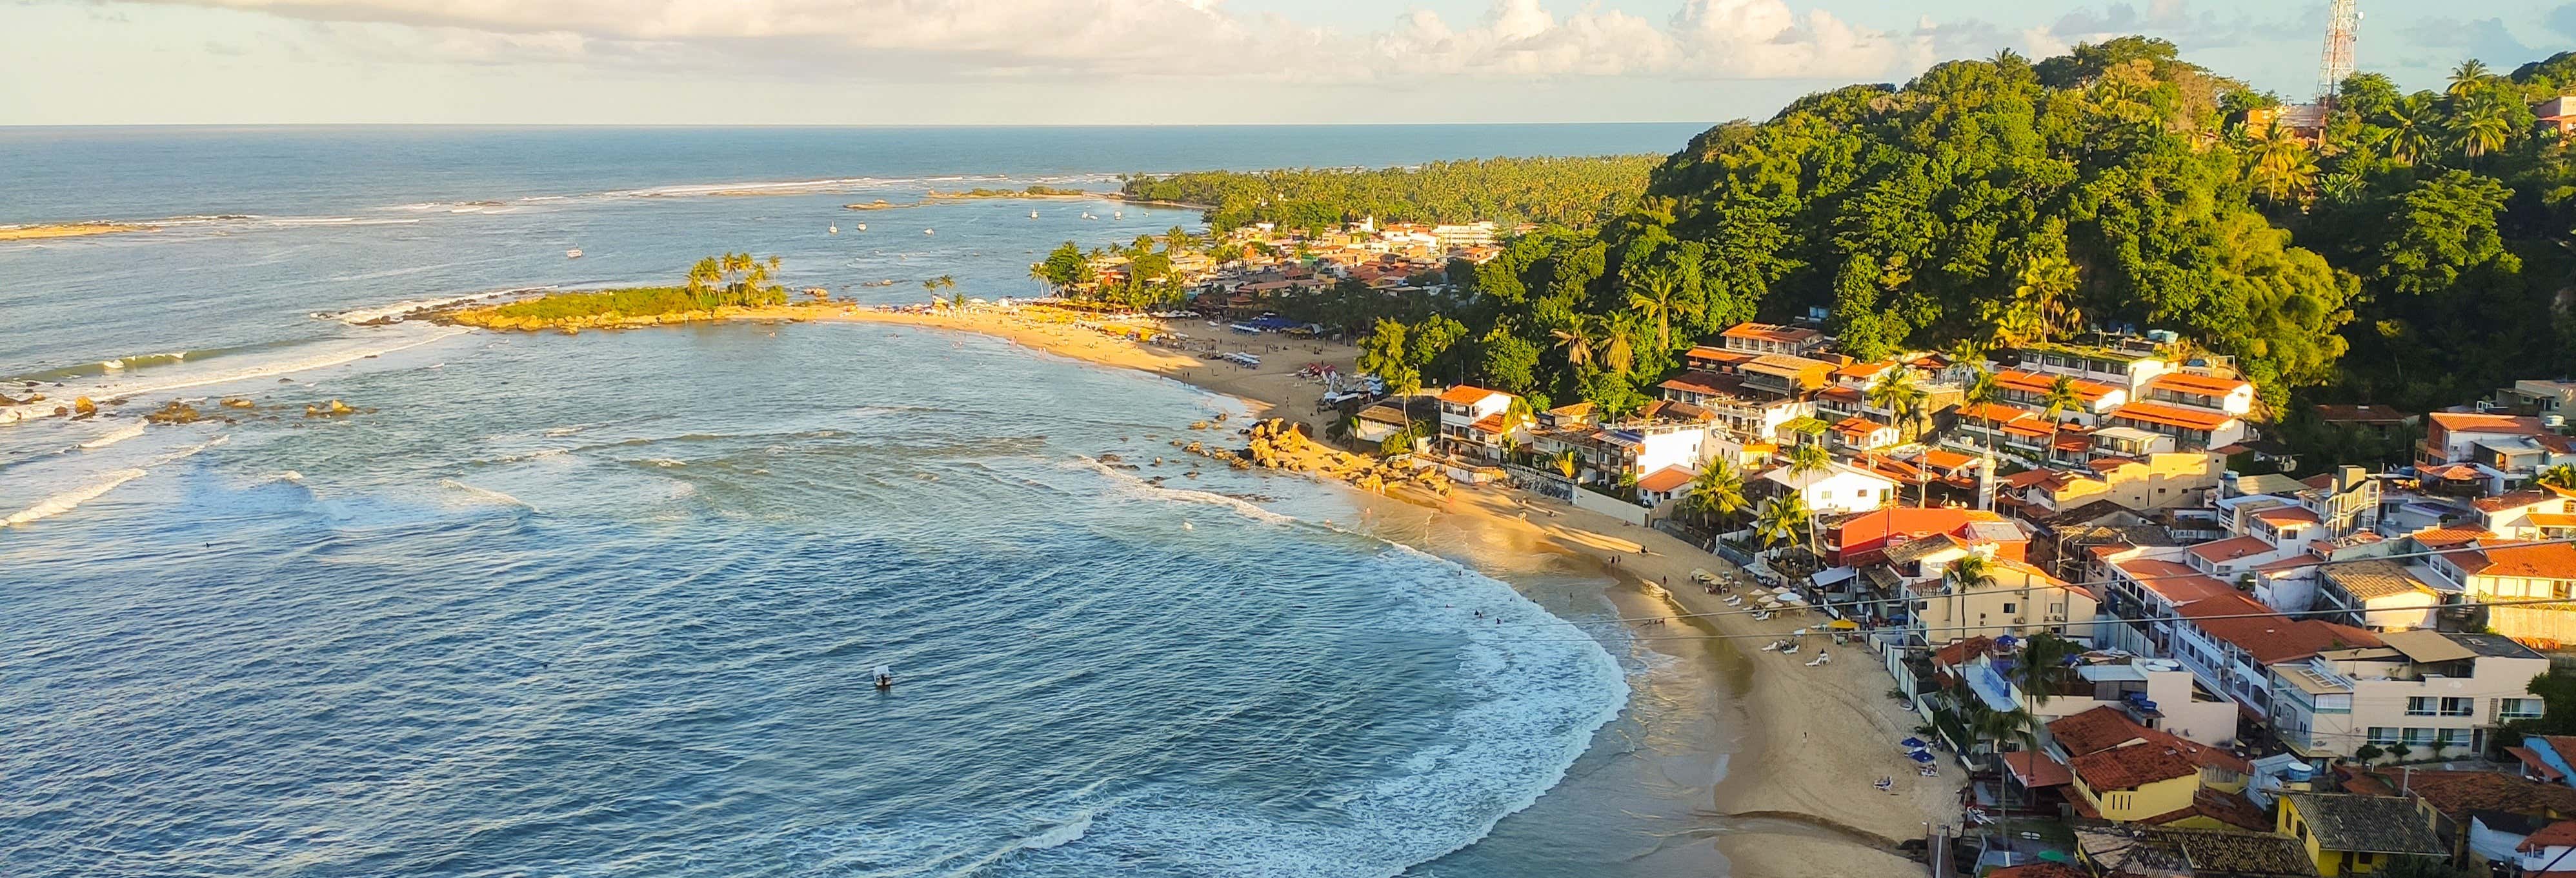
1474	422
1766	338
2490	570
2428	690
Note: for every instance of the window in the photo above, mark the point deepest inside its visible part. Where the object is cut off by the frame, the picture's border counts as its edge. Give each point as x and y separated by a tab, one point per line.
2458	706
2009	607
2382	735
2517	708
2418	737
2420	705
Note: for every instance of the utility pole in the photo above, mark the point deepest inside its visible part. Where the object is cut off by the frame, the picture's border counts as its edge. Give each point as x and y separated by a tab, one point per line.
2337	64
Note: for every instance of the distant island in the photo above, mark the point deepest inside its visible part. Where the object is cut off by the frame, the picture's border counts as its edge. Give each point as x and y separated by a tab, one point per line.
68	230
717	287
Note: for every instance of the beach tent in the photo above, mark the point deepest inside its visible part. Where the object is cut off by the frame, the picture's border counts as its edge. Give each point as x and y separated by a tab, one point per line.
1701	574
1923	756
1843	625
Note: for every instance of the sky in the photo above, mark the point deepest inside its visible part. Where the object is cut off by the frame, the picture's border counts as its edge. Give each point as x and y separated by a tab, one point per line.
913	62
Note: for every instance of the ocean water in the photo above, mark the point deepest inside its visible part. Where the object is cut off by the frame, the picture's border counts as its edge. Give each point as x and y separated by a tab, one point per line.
607	604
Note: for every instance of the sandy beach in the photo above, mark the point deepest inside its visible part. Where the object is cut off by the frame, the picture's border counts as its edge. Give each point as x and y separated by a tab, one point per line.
1799	801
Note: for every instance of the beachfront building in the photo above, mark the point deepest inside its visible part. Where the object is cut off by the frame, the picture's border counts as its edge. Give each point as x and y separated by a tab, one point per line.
2018	600
1865	538
2349	834
1836	489
1748	414
1475	422
2153	481
2124	772
2432	691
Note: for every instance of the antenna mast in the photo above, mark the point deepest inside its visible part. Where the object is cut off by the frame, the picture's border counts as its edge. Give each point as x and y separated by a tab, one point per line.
2338	56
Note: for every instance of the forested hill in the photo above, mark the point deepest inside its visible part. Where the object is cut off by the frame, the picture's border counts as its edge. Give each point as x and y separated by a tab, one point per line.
1572	192
2420	256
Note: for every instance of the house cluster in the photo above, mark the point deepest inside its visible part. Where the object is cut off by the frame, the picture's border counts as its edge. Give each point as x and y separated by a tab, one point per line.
2251	650
1275	265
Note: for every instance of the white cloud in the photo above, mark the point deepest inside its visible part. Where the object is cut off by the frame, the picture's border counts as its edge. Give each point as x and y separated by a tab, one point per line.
1514	40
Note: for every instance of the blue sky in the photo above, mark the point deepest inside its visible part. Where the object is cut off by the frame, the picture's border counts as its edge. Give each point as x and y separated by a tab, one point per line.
1121	61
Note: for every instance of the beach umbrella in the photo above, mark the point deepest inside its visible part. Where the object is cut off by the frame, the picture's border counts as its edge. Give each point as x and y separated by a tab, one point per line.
1913	744
1701	574
1843	625
1793	599
1920	756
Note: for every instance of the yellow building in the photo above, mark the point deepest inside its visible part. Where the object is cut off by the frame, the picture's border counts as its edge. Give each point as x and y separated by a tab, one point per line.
2356	835
2124	772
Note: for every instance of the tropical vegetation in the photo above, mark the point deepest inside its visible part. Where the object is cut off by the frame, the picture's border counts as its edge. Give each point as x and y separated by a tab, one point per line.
731	280
1573	192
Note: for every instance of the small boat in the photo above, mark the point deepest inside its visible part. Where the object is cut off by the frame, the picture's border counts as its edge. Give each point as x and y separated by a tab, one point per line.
863	227
927	231
1033	214
574	253
885	678
1117	214
834	229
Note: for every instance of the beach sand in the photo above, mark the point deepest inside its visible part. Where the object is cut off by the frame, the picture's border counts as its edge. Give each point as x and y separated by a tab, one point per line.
1798	799
66	230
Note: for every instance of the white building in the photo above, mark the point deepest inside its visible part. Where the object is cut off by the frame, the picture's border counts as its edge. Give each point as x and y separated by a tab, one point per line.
1474	422
2421	688
1835	489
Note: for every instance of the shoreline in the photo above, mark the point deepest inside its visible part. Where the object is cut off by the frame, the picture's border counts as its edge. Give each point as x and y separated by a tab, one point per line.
47	231
1798	801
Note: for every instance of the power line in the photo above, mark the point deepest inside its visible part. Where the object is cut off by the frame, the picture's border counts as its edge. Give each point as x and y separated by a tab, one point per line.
2162	576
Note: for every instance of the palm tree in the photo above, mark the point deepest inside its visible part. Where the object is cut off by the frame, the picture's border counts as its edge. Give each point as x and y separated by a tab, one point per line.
2407	130
2562	477
2283	168
1780	519
1038	272
2043	665
2466	78
1718	489
1576	339
2481	126
2062	397
1995	728
1654	294
1178	240
1809	458
1896	392
1567	463
1982	390
2048	284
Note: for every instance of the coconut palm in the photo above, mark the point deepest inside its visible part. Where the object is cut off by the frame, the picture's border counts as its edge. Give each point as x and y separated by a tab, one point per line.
1567	463
2481	126
2562	476
2062	397
1969	573
1655	293
1718	490
2466	78
1178	241
2283	168
1575	338
2407	130
1781	519
2047	290
1982	390
2043	665
1809	458
1896	391
1996	728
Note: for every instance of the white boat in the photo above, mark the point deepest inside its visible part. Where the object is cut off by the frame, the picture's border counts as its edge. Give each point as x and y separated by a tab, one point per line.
863	227
926	231
574	253
1117	214
1033	214
835	229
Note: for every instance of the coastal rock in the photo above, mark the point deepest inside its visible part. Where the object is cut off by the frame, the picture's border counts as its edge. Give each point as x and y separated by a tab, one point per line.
83	407
332	409
175	412
235	402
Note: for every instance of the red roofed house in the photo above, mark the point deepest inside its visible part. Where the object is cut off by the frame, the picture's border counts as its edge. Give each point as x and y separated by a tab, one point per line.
2191	428
2030	390
2483	441
2127	773
1765	338
1665	485
1859	539
2549	852
2504	569
2233	396
1862	434
1474	421
2231	641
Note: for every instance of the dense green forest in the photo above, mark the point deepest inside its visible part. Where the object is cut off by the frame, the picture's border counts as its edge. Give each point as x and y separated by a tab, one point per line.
2419	255
1572	192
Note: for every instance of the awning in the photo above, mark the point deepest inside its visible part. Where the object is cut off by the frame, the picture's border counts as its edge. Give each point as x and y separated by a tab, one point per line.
1831	575
1842	625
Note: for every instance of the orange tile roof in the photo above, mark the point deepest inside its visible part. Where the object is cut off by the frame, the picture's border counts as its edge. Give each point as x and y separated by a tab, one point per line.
2201	385
2035	770
2036	382
1709	383
2556	835
2222	551
1666	479
2177	583
1721	355
2122	768
2474	422
2272	638
2286	515
1489	424
2512	500
1771	332
2177	416
1858	426
2515	558
1840	393
1941	459
1465	394
1864	370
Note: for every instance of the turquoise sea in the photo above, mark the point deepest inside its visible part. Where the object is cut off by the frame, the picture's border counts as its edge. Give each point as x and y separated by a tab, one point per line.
607	604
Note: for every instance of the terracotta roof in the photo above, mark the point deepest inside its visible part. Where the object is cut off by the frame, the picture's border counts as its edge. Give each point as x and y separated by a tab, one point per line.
1940	459
1489	424
2202	385
1718	355
1958	652
2531	761
2518	559
1466	394
2446	537
1858	426
2094	731
2035	770
2222	551
2286	515
2034	382
2178	583
2177	416
2456	793
2472	422
2137	765
2460	472
2293	562
1771	332
2556	835
2378	824
1705	382
1666	479
1840	393
2027	478
1996	412
2512	500
2270	638
1864	370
